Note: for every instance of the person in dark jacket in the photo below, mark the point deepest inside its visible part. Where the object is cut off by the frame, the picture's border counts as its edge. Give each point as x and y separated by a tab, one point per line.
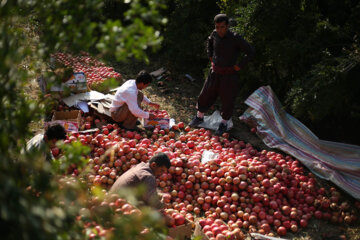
223	48
145	174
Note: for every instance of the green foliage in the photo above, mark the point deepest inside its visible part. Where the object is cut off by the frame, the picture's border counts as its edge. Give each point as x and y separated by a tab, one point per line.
85	27
105	86
185	35
35	202
306	51
74	153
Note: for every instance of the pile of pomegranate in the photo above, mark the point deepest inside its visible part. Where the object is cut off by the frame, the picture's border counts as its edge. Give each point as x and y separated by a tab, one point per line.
249	190
95	71
118	206
159	113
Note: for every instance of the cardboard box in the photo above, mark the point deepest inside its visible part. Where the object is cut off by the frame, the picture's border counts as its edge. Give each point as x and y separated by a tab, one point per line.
76	84
198	232
181	232
162	122
70	120
101	106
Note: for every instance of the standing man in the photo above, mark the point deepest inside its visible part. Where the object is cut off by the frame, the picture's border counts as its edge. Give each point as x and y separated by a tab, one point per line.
223	49
126	105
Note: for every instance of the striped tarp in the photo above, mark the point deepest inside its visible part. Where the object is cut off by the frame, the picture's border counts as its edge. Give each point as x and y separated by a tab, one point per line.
333	161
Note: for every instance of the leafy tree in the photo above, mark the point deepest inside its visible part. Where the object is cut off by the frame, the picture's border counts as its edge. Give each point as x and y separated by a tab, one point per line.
190	23
30	32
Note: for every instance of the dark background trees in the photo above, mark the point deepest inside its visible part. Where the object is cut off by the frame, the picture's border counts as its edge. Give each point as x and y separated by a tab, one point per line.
307	51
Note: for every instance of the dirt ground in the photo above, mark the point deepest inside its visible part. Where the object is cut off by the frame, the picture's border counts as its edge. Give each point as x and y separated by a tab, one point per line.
177	94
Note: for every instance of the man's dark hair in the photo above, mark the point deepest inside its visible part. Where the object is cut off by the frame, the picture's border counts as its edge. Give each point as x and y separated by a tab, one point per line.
143	77
161	159
55	132
221	18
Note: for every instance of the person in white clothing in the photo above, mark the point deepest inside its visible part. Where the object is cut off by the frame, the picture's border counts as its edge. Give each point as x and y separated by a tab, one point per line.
126	105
